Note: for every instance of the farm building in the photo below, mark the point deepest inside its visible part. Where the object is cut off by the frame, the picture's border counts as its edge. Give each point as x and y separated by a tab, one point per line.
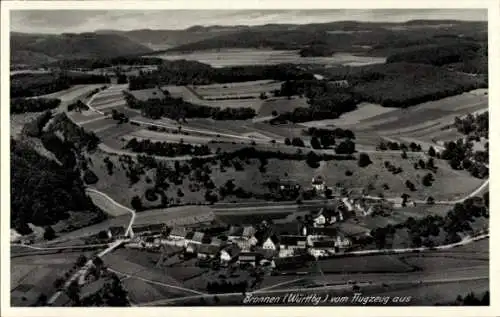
293	262
236	232
178	233
318	183
250	258
229	254
194	237
150	229
290	244
207	251
116	232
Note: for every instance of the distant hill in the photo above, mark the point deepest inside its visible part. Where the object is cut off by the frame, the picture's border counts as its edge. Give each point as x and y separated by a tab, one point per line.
165	39
343	35
33	49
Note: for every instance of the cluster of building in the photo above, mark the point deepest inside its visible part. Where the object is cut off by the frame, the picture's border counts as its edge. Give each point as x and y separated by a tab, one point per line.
255	245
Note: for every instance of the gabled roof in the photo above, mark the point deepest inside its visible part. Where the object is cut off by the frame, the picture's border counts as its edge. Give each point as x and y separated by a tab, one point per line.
216	241
178	231
233	250
207	249
293	261
198	236
248	231
235	231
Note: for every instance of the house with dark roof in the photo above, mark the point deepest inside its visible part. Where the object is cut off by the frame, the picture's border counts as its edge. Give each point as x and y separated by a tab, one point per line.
229	253
294	262
207	251
194	237
251	258
216	242
156	228
178	233
288	245
116	232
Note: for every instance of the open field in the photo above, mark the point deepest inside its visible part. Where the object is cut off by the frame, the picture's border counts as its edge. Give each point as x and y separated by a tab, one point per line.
105	205
363	112
375	264
281	105
41	270
249	88
190	95
239	57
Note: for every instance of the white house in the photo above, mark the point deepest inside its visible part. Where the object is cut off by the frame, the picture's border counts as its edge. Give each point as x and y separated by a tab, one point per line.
319	221
269	244
318	183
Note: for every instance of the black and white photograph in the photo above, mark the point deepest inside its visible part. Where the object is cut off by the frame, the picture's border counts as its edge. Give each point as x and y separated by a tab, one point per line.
284	157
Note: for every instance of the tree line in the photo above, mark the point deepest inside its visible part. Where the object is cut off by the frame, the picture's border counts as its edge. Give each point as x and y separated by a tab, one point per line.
24	105
177	108
166	148
29	85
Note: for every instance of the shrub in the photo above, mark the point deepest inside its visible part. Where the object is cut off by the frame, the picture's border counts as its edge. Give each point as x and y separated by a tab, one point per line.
364	160
90	177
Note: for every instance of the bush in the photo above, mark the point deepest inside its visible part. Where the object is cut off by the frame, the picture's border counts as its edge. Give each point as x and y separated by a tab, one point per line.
90	177
49	233
364	160
151	194
136	203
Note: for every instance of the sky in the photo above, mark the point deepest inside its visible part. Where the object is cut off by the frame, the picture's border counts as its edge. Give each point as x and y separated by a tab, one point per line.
60	21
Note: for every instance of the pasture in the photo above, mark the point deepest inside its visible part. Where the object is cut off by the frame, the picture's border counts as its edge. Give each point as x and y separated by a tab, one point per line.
281	105
249	88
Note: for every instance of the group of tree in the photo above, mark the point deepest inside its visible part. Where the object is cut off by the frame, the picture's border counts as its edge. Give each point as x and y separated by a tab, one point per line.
476	126
34	128
364	160
296	141
396	86
325	138
24	105
224	286
166	148
438	55
177	108
44	192
425	231
393	146
119	116
106	62
184	72
460	155
392	168
29	85
472	299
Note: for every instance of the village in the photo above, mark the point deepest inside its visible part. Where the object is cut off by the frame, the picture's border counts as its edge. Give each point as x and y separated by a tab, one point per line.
265	244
